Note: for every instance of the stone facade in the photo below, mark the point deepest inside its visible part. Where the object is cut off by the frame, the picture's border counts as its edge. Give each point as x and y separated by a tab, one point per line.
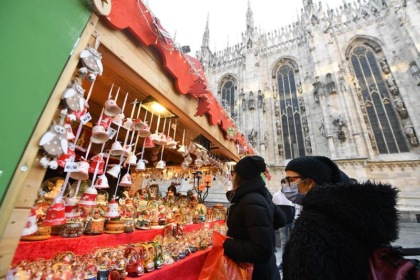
341	76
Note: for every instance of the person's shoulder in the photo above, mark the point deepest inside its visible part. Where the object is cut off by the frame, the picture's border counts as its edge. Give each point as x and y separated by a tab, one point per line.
254	198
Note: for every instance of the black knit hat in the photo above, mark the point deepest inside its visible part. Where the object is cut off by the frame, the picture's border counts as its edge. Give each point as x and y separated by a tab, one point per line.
250	167
319	168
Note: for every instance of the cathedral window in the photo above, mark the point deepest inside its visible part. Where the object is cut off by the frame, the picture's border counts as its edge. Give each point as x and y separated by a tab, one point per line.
291	122
228	96
377	90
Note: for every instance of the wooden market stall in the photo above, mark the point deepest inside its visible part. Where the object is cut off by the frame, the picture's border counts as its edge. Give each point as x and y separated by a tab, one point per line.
138	64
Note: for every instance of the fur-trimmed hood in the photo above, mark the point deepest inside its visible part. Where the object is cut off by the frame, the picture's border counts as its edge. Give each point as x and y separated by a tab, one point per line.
367	210
337	228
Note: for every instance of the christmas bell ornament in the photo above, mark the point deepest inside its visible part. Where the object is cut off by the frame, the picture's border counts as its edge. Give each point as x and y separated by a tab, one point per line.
62	160
128	123
112	209
105	121
161	139
114	171
71	208
154	137
132	159
118	119
55	215
171	143
117	149
97	161
99	135
111	108
141	165
144	131
82	173
31	225
101	182
126	180
138	124
127	150
161	164
149	143
89	197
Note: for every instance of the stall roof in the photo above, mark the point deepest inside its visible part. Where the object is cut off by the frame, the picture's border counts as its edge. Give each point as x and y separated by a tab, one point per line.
186	71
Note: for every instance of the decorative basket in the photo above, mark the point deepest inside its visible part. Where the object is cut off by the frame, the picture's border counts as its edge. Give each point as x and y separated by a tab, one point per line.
114	226
72	229
95	226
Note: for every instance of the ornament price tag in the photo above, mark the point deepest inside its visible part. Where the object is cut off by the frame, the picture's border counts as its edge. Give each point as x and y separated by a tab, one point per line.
111	132
71	167
85	118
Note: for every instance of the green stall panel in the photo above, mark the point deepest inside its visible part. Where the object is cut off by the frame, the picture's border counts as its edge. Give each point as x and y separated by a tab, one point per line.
37	38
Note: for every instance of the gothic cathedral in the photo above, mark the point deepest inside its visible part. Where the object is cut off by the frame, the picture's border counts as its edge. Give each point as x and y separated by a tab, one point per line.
343	83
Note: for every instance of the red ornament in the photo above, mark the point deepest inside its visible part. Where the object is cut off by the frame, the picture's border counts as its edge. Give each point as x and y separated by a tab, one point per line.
203	107
198	89
215	110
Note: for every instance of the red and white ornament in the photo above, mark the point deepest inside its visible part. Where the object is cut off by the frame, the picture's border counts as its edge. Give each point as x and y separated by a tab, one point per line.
89	197
55	215
31	226
112	210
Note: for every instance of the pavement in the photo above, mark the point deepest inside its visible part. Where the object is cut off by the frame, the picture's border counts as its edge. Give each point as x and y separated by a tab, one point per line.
409	237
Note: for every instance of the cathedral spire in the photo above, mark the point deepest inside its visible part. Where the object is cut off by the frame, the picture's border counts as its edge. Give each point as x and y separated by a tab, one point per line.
249	18
307	3
206	35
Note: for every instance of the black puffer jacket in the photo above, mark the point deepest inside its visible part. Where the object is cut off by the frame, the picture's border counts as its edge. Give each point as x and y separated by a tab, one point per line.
338	226
251	223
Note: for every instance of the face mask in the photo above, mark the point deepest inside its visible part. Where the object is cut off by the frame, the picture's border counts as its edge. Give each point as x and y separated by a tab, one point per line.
292	193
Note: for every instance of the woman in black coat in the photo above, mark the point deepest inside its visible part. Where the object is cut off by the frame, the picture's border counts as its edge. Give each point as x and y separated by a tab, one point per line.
252	220
340	223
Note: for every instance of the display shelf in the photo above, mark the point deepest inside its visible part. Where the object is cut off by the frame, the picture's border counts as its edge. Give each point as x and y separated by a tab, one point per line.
48	249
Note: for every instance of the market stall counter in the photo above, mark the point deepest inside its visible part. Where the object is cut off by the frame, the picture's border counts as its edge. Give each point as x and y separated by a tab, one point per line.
48	249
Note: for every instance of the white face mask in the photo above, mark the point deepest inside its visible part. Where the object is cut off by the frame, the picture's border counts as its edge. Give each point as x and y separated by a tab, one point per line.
291	191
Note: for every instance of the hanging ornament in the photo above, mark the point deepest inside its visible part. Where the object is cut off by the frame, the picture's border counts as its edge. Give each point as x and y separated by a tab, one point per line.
231	132
92	60
73	97
54	141
111	107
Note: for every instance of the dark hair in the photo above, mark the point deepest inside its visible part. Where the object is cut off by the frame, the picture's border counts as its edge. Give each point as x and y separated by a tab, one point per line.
283	181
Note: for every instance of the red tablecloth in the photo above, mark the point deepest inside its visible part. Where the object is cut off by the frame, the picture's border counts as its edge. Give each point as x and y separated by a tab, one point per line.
48	249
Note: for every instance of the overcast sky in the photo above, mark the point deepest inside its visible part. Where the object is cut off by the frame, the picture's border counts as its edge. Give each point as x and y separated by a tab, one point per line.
186	19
